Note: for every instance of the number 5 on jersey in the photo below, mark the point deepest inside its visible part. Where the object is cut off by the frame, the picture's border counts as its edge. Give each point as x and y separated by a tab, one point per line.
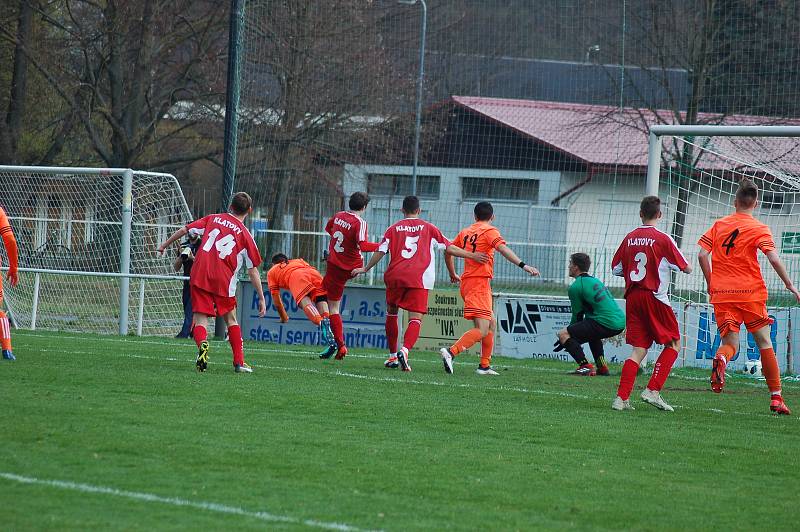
410	247
224	245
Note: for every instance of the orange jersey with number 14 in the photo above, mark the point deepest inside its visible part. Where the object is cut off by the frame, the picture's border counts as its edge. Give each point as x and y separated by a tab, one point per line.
479	237
733	242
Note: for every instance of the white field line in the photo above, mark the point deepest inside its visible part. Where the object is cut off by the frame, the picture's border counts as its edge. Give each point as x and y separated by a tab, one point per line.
304	354
175	501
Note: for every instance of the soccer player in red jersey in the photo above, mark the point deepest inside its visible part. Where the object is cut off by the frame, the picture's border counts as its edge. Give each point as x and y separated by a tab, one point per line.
305	284
226	245
645	259
13	262
476	290
348	231
728	258
411	244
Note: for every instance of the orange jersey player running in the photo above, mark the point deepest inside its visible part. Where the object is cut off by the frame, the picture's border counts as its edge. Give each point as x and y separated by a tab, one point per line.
411	244
305	284
13	262
348	231
728	258
226	245
475	288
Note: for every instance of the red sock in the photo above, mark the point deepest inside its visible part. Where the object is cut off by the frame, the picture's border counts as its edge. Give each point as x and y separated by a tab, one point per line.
771	370
200	334
662	368
412	333
627	379
313	314
237	346
326	315
338	328
392	332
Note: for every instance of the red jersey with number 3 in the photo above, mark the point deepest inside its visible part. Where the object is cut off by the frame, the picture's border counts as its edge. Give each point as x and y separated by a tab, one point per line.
348	231
645	258
225	247
412	244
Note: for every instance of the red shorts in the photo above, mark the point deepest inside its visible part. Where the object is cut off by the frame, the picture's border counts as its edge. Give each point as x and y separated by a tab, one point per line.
730	316
410	299
204	302
306	282
649	320
334	281
477	295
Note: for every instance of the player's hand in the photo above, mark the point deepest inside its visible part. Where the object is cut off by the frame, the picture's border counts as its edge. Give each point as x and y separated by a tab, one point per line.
12	277
358	271
284	317
161	249
455	278
792	289
262	307
481	257
558	346
531	270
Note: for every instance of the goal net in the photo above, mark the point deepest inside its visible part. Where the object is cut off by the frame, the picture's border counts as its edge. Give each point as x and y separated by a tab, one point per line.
699	186
70	227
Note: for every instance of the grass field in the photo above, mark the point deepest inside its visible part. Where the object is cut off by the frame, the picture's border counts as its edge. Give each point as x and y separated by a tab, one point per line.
119	433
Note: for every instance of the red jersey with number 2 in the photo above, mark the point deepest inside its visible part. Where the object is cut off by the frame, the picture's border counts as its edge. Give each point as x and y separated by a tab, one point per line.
645	258
348	231
225	247
412	244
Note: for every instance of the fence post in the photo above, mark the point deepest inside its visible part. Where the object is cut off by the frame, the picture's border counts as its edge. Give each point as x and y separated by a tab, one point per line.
125	249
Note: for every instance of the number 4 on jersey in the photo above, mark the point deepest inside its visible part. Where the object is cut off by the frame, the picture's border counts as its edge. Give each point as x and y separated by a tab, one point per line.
729	240
224	245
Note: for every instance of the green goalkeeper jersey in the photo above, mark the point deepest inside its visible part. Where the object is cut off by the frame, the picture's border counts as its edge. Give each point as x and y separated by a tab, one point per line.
591	299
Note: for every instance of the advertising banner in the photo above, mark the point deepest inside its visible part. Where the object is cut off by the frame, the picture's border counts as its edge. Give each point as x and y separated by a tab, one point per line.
444	323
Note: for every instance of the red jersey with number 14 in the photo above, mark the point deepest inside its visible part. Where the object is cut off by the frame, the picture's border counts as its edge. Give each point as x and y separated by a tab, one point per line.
412	244
645	258
225	247
348	231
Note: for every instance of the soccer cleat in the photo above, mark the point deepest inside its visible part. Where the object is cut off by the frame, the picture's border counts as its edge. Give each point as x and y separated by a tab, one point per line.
8	355
328	351
341	353
603	370
718	373
391	362
486	371
244	368
325	331
779	408
654	398
621	404
586	370
447	360
202	357
402	359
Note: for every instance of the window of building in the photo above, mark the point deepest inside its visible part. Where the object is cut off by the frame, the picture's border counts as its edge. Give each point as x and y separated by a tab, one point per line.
400	185
489	188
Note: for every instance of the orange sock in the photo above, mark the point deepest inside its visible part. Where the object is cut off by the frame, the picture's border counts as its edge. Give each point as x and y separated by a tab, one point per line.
467	340
487	347
5	332
313	314
769	366
728	351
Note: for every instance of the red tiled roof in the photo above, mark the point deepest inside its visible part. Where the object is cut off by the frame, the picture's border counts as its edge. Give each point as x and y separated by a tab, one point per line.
605	136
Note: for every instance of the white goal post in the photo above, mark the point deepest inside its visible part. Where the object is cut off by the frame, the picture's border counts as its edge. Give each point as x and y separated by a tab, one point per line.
84	234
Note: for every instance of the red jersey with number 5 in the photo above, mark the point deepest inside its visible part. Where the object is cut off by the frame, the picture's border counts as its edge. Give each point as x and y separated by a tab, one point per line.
348	234
645	258
225	247
412	244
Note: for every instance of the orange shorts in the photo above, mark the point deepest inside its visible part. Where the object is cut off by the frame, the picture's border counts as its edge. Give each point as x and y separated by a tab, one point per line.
306	282
730	316
477	295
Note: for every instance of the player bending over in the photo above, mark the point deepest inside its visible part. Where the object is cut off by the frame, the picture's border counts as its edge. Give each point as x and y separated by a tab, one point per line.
737	287
595	316
645	258
225	245
476	290
305	284
410	244
348	231
13	262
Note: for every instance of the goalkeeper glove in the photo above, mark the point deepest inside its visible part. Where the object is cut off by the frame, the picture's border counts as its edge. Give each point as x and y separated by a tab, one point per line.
558	346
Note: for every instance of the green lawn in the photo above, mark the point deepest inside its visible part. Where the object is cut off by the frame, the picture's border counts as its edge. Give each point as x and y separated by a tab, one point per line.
119	433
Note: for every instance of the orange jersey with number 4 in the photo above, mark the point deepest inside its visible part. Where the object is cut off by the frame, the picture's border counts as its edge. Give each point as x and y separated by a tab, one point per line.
733	242
479	237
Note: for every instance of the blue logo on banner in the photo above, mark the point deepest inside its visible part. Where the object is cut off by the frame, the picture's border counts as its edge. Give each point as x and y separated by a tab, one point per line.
707	344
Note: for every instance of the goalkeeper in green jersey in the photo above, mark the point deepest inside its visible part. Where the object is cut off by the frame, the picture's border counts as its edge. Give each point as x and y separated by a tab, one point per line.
595	316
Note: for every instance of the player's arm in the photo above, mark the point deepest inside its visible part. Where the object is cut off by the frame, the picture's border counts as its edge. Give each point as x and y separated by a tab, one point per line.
456	251
777	265
11	249
616	262
704	259
512	257
576	302
177	235
275	292
373	260
450	263
369	247
255	280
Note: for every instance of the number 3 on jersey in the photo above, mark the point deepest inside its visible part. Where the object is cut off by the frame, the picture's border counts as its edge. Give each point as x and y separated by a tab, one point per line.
224	246
641	267
410	247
